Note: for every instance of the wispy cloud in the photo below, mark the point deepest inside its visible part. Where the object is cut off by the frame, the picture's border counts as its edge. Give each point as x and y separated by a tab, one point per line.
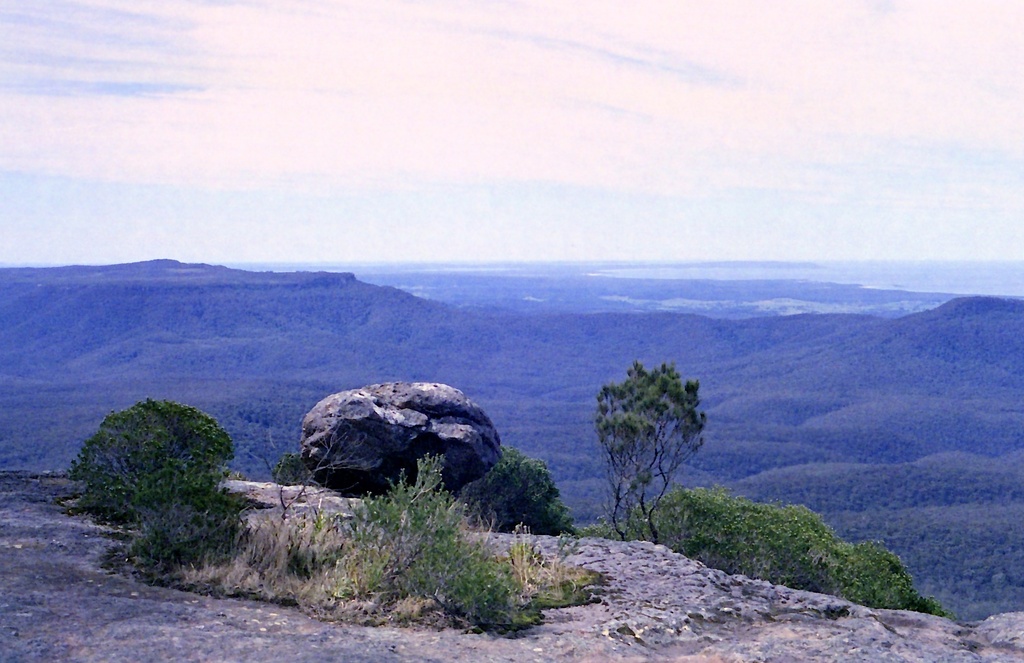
632	56
368	92
65	88
859	103
85	49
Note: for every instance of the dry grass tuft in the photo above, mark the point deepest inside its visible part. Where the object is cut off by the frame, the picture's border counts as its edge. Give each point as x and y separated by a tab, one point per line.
548	582
404	558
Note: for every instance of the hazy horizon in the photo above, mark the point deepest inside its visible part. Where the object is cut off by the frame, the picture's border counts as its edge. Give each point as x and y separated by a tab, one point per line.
993	278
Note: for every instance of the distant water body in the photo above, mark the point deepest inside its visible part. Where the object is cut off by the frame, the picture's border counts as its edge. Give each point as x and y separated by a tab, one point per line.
958	278
1004	279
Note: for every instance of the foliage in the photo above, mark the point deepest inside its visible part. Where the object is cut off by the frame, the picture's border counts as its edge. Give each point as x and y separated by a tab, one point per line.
970	556
402	556
953	519
183	518
291	471
135	445
156	467
871	575
647	426
411	543
518	490
786	545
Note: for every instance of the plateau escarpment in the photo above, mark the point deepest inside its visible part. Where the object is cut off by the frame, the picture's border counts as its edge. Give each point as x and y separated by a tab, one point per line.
57	603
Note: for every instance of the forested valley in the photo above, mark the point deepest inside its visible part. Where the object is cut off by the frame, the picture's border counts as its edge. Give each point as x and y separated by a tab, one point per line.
907	428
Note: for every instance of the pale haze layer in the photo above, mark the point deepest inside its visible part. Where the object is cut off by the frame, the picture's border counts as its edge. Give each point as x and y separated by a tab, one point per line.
444	130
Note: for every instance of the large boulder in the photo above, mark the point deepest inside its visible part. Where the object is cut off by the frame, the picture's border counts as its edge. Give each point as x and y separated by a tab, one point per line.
362	440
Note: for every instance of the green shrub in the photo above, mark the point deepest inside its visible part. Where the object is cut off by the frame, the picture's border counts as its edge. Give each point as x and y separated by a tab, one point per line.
183	518
291	471
156	468
411	542
871	575
518	491
786	545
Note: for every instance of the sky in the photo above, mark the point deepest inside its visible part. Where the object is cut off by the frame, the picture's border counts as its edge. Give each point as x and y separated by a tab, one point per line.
252	131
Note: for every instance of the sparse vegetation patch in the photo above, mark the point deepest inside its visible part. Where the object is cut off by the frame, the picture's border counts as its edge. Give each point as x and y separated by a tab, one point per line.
404	556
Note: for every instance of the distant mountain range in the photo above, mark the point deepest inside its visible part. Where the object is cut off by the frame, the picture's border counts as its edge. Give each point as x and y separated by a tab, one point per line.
795	403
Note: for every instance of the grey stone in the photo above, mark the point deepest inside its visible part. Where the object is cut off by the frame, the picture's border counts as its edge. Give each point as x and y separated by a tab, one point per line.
362	440
271	499
1003	631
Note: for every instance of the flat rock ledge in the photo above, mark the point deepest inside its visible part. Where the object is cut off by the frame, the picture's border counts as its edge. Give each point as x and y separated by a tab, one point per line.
57	603
675	608
268	498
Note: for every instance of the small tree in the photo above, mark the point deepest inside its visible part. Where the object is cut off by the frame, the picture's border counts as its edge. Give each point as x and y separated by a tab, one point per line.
647	427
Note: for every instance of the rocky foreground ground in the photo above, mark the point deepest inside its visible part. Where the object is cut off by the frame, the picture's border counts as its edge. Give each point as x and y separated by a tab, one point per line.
58	604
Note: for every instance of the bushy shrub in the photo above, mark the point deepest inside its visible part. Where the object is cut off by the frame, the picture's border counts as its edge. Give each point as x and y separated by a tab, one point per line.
183	519
156	468
871	575
518	491
411	542
786	545
291	471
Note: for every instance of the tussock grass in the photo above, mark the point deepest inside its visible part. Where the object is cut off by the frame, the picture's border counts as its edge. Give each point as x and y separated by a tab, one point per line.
549	582
405	557
285	560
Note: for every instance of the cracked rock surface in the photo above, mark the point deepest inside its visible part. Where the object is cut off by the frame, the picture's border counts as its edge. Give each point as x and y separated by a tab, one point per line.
675	608
57	603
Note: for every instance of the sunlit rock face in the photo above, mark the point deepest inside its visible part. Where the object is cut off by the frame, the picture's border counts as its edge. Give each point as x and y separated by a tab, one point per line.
362	440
